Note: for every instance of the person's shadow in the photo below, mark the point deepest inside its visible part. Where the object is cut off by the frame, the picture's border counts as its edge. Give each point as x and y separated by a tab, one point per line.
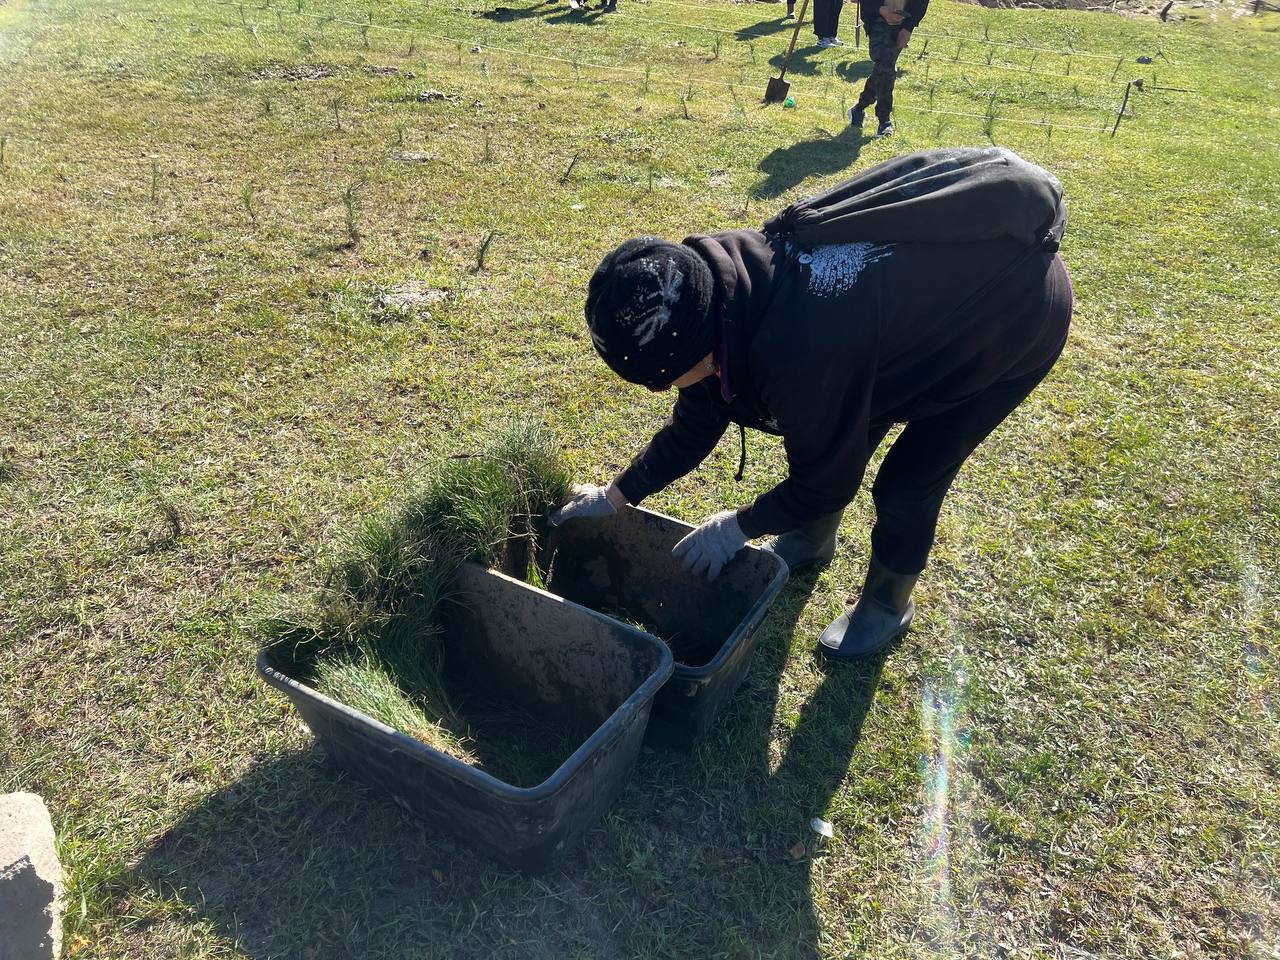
765	28
697	858
826	154
548	11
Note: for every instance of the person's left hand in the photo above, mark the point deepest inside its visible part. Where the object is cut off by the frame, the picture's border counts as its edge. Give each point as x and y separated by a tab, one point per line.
904	37
712	545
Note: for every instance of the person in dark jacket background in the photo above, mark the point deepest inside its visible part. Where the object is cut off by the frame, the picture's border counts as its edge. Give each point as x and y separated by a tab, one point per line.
889	24
827	347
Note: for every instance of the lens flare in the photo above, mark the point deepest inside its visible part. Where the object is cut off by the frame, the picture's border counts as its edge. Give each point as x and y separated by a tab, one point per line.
941	704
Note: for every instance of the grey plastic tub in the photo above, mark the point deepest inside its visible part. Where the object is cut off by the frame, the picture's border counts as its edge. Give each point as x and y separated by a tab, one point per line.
555	659
622	566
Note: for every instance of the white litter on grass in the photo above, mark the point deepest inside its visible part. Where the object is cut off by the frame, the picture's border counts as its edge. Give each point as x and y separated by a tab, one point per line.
822	828
835	268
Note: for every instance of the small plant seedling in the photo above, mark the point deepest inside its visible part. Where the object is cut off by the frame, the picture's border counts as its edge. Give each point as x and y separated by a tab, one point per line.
942	125
253	33
336	105
279	22
351	206
483	252
413	47
399	134
684	104
155	182
989	119
243	21
1067	71
488	149
459	48
991	52
651	178
265	102
364	34
959	46
648	71
933	88
1034	57
484	68
715	47
250	207
297	5
4	142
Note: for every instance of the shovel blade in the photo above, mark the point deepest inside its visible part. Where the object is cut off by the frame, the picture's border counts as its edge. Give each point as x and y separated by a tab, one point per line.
777	90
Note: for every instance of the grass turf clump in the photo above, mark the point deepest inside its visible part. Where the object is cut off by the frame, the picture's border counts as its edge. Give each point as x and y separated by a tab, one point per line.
371	636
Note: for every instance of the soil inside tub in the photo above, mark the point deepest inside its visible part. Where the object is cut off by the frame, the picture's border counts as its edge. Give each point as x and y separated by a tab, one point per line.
514	744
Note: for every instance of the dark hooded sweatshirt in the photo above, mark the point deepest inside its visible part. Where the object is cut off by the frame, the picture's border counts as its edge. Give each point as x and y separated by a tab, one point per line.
822	346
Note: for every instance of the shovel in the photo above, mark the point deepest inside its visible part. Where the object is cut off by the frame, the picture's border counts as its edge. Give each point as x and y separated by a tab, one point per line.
778	88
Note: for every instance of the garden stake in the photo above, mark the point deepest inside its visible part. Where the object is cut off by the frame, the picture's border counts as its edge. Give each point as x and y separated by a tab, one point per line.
1124	103
778	88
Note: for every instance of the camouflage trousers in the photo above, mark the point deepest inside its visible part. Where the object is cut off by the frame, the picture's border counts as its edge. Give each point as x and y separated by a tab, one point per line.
882	38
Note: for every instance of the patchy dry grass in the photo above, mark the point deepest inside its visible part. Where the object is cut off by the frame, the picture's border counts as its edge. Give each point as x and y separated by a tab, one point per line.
1074	754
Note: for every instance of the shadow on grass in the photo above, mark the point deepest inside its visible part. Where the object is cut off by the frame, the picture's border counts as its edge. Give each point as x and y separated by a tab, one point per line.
767	28
829	153
548	11
297	860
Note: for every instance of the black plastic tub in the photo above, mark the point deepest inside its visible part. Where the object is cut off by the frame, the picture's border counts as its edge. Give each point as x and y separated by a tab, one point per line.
622	566
524	646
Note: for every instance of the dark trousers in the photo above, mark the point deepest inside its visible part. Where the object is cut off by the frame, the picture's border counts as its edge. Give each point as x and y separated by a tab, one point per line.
918	469
882	39
826	17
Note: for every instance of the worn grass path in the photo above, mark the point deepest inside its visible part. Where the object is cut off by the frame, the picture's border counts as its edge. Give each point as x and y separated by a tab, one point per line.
1075	753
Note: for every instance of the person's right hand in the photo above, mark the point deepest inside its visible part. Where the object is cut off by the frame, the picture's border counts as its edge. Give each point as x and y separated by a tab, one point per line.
890	16
587	501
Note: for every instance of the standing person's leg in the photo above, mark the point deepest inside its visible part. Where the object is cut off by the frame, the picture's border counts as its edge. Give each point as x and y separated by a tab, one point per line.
877	47
821	18
888	77
836	7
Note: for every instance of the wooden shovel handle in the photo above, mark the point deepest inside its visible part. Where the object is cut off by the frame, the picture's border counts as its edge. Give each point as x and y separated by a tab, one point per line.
786	62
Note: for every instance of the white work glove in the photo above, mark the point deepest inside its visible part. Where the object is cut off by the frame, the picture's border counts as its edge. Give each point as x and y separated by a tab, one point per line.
588	501
712	545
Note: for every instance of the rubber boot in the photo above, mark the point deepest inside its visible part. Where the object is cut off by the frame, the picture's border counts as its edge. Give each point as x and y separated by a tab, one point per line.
882	614
812	545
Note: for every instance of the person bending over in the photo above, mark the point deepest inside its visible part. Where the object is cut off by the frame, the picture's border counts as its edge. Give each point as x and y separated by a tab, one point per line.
828	346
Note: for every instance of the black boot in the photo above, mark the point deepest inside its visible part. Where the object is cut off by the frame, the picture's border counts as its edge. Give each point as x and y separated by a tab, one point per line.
857	116
883	613
811	545
886	127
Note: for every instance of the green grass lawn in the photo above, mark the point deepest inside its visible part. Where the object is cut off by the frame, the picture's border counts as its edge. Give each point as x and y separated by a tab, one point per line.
1074	754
